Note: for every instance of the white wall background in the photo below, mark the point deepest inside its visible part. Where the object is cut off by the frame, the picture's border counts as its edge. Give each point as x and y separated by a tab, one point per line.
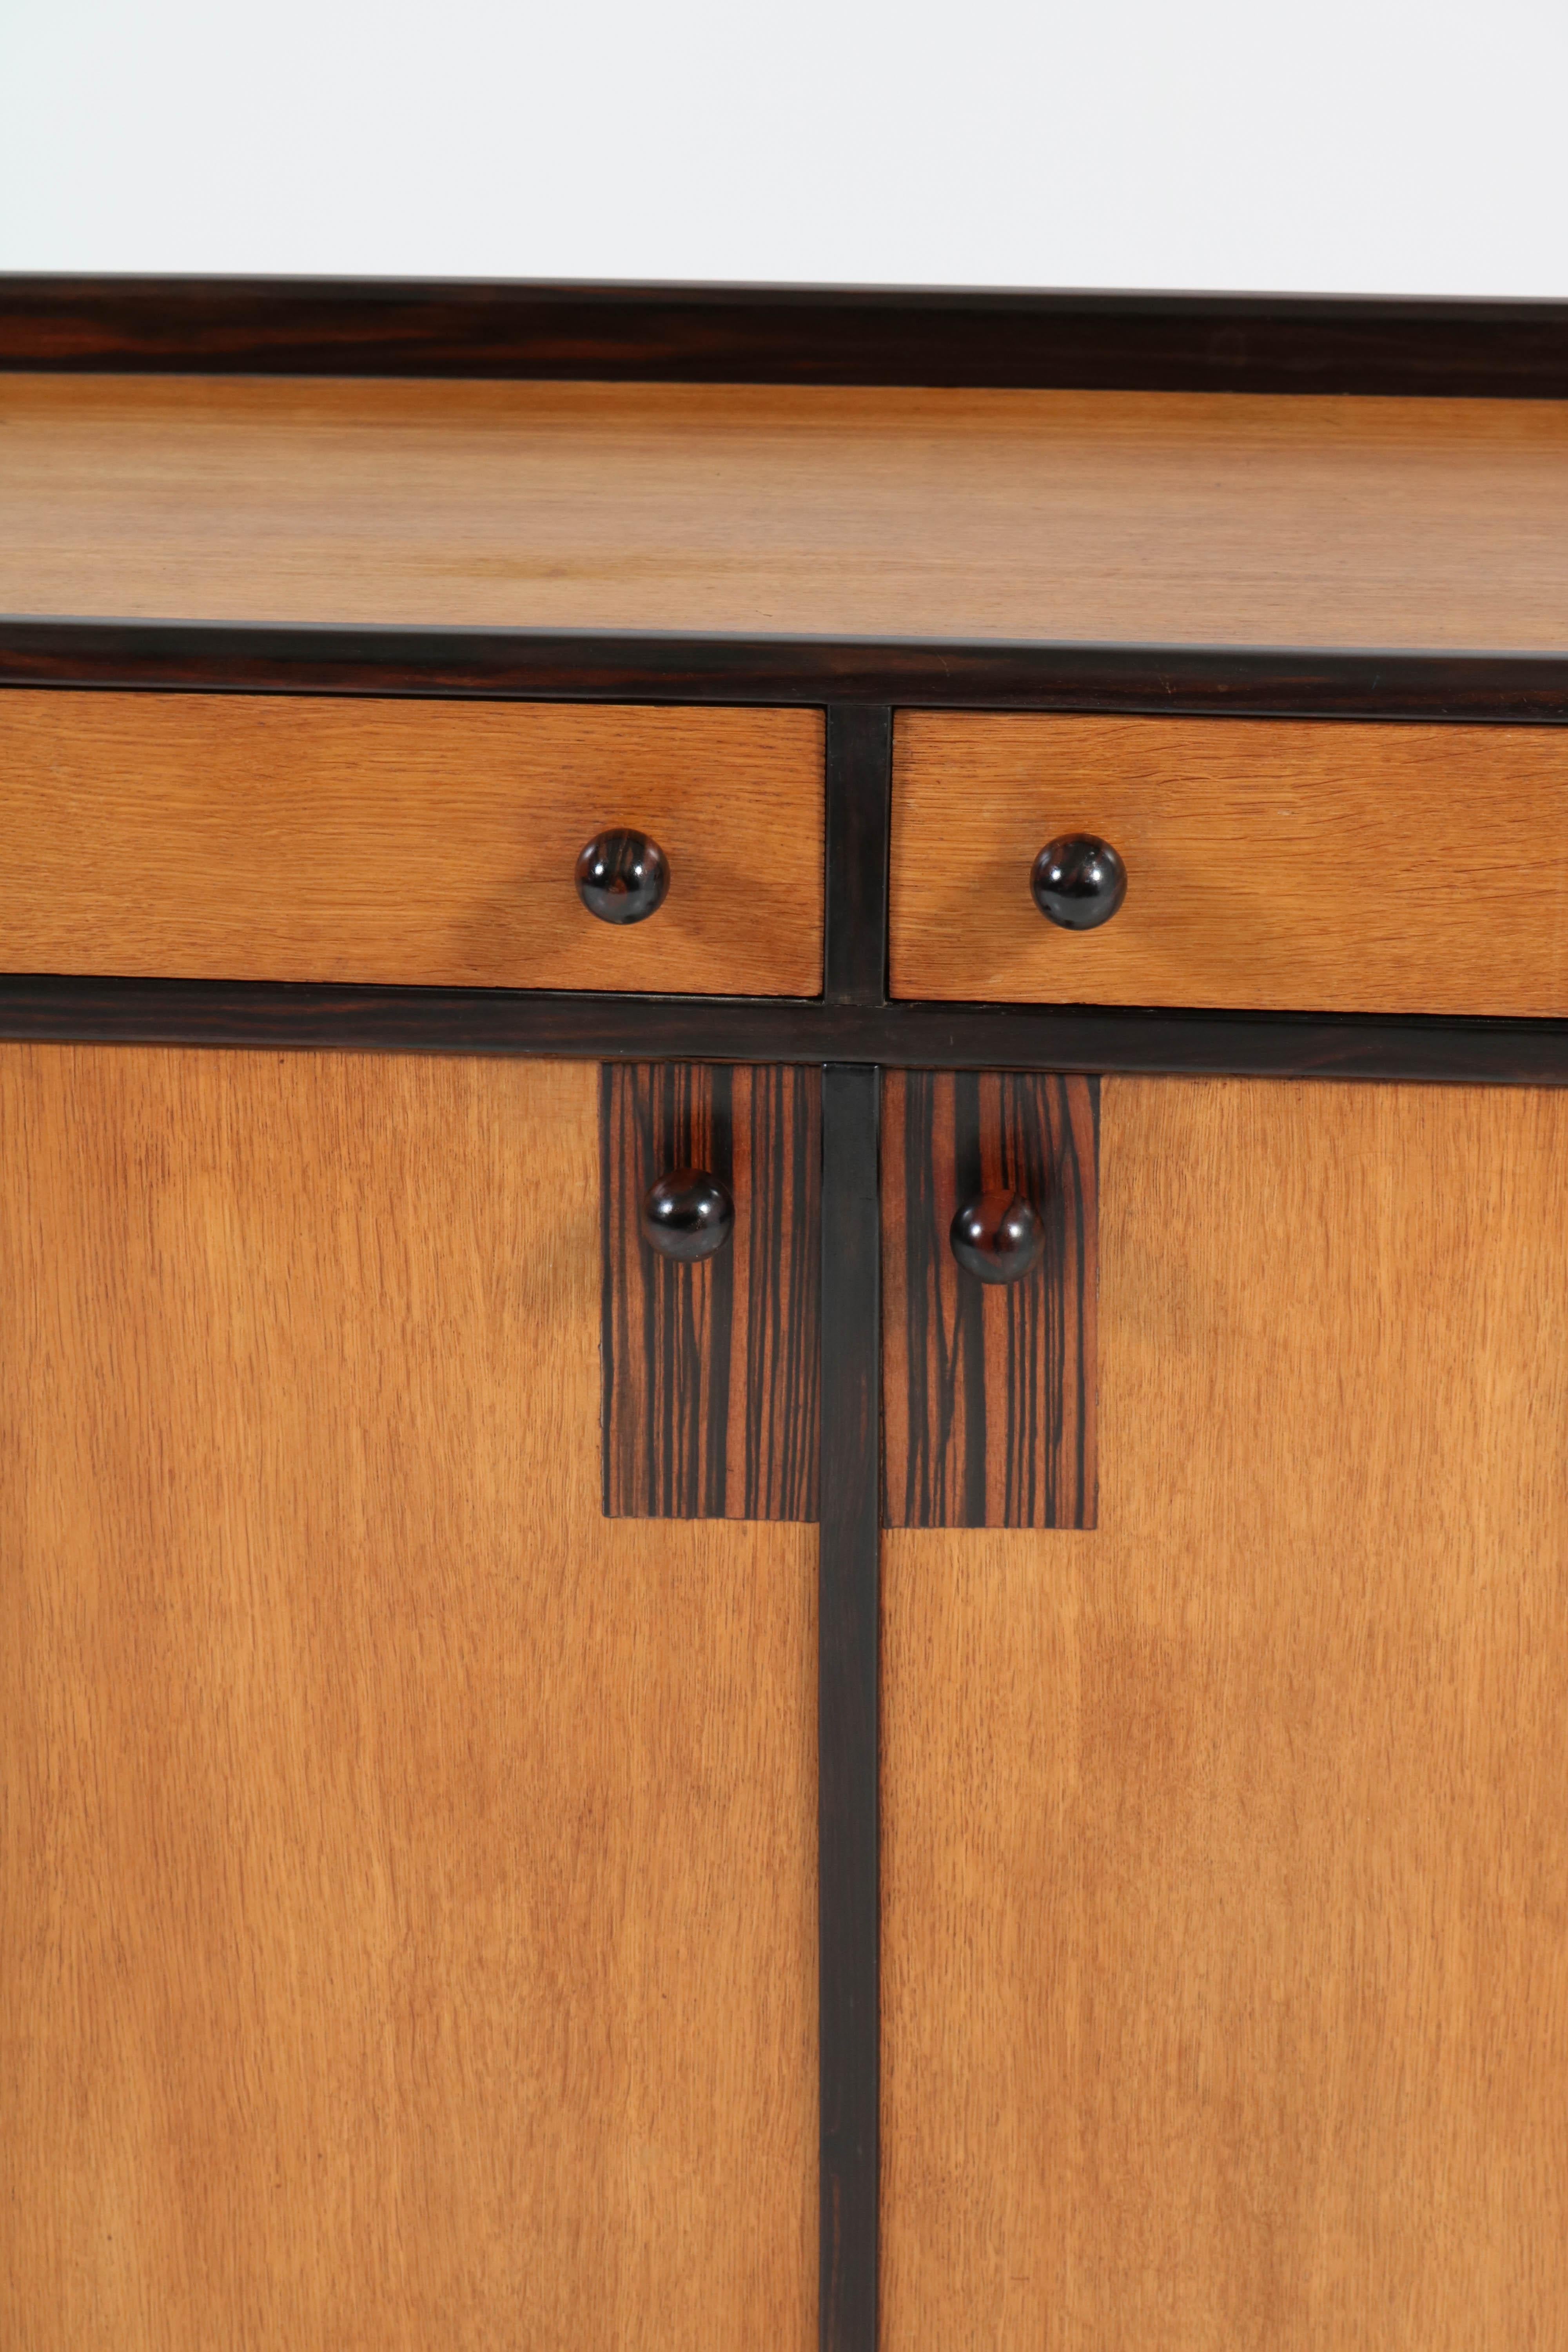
1409	146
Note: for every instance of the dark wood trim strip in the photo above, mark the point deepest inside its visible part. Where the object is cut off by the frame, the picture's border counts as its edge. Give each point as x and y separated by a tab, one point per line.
209	657
848	1674
858	785
787	334
1067	1038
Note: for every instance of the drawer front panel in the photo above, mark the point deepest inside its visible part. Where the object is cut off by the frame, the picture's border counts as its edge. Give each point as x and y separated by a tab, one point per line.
1296	865
274	837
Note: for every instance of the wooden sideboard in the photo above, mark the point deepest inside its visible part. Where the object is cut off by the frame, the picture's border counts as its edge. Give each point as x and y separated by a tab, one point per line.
783	1482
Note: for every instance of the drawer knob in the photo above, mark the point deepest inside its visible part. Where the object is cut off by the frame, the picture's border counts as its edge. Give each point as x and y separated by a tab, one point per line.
997	1236
688	1215
623	876
1078	881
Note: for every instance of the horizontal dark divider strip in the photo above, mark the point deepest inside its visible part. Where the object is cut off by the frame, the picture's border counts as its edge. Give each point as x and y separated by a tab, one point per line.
649	666
1092	1039
780	334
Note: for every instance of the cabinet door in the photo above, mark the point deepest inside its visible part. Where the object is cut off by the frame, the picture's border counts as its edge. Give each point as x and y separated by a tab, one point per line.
408	1900
1226	1875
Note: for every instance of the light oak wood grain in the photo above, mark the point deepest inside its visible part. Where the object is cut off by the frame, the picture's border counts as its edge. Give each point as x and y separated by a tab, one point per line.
280	837
408	1908
1300	864
1226	1945
1166	518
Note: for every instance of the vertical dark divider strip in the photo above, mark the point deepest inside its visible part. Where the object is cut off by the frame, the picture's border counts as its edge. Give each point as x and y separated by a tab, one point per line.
859	786
848	1662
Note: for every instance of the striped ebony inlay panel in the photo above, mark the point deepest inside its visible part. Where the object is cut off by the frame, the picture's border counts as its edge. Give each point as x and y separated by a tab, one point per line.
709	1371
988	1407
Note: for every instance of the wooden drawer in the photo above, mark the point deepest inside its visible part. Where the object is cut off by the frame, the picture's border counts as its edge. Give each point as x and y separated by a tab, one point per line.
1296	865
279	837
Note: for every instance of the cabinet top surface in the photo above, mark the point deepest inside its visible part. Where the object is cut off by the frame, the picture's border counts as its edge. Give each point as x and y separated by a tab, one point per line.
1138	518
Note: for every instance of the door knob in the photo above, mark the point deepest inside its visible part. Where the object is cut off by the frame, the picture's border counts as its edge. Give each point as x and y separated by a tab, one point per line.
1078	881
688	1215
997	1236
623	876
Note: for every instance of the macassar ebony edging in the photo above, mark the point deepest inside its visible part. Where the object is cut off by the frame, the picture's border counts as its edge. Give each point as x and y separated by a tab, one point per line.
965	337
1070	1039
989	1388
710	1371
848	1689
859	784
587	666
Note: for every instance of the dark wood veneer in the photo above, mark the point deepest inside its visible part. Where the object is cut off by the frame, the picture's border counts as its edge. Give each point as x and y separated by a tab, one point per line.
710	1371
1070	1039
215	658
858	784
989	1407
787	334
848	1674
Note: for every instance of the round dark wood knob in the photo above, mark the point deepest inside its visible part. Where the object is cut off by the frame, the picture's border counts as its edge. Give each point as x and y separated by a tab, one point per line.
997	1236
623	876
1078	881
688	1215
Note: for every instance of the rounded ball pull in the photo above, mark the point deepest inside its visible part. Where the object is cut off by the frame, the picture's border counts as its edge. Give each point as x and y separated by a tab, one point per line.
1078	881
623	876
688	1215
997	1236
